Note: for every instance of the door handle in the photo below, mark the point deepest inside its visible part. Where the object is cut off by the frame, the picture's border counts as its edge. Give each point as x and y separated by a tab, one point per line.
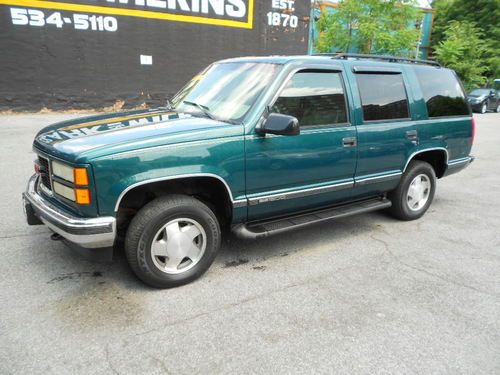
349	142
412	135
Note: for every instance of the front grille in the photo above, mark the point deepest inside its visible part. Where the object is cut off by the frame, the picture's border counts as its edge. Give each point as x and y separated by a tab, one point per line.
44	172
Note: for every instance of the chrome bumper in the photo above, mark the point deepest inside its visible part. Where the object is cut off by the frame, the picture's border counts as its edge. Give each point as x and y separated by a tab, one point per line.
86	232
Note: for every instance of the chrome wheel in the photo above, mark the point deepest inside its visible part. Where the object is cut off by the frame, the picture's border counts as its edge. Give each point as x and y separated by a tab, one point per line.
418	192
178	246
498	108
483	108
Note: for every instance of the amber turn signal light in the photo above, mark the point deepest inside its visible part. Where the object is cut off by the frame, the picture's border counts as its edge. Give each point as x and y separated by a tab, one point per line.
81	177
82	196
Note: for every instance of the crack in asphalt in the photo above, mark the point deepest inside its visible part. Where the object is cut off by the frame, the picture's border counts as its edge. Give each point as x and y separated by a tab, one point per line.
313	280
162	364
108	360
243	301
445	279
75	276
210	312
23	235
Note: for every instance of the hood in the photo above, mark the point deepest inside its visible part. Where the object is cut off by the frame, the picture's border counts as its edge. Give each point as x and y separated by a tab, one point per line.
113	132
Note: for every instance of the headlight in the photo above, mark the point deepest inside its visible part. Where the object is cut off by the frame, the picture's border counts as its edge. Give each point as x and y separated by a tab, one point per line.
64	191
63	171
80	196
78	176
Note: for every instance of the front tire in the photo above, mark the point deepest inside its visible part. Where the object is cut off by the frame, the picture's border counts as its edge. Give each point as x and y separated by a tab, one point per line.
415	191
172	241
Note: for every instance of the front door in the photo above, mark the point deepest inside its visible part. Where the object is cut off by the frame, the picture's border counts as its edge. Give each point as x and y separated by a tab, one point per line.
493	100
316	168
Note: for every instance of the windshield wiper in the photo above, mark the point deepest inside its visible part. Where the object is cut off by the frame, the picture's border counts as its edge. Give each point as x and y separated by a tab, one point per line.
168	107
202	108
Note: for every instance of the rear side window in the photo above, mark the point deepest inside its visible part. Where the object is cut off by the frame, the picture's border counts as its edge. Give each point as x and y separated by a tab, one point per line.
383	96
314	98
442	92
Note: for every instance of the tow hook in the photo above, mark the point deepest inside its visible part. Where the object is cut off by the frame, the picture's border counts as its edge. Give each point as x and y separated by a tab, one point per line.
56	237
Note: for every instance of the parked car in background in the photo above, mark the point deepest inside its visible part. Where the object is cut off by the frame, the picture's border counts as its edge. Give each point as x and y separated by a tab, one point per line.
482	100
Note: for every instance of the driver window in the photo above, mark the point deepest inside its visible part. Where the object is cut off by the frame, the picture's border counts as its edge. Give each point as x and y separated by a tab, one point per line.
314	98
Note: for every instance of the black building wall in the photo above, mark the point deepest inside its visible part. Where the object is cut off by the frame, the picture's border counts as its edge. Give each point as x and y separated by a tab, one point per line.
45	61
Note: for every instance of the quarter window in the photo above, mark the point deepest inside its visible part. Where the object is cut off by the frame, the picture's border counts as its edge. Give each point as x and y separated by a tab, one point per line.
314	98
442	92
383	96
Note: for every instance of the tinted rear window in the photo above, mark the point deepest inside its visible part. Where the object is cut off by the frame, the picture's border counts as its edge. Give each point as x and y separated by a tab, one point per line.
442	92
383	96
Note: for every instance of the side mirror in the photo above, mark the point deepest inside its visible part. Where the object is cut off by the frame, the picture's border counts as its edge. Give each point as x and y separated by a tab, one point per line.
280	125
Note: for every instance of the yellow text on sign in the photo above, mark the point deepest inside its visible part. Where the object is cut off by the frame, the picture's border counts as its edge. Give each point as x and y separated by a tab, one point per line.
134	12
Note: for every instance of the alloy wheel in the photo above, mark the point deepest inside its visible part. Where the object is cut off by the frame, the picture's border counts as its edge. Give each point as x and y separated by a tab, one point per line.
418	192
178	246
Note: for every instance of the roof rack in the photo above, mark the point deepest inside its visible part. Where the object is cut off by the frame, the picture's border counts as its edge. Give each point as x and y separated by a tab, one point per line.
394	59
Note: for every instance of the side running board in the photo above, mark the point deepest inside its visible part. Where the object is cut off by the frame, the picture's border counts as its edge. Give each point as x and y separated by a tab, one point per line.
274	226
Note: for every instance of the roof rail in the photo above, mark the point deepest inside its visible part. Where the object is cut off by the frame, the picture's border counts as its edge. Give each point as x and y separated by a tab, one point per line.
394	59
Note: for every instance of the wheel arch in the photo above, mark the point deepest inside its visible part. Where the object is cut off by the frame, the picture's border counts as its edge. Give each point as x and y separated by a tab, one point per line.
437	157
209	188
191	176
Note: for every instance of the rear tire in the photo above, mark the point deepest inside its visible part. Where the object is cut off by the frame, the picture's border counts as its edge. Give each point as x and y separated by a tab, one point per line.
172	241
415	192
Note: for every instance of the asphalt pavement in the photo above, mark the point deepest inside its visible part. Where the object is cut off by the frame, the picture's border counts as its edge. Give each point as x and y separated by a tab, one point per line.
361	295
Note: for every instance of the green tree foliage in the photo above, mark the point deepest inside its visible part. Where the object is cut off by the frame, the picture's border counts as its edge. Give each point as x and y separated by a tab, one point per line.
484	14
370	26
463	50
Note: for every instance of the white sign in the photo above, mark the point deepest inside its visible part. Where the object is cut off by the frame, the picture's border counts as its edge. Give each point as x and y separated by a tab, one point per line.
146	60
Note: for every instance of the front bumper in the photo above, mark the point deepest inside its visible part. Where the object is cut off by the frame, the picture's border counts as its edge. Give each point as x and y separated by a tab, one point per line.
86	232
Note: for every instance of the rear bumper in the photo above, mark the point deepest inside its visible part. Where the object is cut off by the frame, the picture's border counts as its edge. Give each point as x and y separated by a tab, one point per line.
457	165
86	232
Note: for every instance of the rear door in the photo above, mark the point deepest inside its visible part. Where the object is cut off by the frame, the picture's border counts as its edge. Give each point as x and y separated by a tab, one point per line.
386	131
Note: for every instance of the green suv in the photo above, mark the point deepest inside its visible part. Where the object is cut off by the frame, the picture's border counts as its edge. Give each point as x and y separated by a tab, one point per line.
257	146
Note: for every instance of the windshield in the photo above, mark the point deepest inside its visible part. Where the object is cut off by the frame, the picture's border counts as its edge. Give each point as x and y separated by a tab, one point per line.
225	91
479	92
